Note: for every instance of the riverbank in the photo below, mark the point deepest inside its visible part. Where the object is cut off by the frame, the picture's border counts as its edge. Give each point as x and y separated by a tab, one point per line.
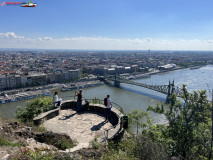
80	85
37	88
20	96
149	74
156	71
86	83
55	86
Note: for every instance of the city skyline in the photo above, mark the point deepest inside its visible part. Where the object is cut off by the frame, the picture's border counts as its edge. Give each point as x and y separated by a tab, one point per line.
109	25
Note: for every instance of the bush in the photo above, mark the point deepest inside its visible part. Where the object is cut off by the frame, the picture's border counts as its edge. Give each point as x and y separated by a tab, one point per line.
134	148
147	149
60	141
34	108
63	144
95	101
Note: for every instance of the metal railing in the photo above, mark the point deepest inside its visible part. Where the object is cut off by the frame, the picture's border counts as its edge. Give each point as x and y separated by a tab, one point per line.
115	105
101	102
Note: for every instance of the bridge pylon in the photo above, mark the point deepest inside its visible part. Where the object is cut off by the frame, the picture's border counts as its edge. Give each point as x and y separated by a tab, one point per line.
171	90
116	82
169	93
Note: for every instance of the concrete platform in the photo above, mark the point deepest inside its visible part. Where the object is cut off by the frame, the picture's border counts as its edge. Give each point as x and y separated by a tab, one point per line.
82	127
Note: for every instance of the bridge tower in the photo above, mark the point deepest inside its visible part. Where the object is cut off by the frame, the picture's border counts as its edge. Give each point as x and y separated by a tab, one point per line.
169	93
116	81
173	87
171	90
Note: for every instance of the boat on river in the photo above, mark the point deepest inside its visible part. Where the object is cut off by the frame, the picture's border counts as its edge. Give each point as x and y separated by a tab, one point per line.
195	67
82	85
23	96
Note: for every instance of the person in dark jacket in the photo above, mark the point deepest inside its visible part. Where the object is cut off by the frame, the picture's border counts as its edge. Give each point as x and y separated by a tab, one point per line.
108	105
79	100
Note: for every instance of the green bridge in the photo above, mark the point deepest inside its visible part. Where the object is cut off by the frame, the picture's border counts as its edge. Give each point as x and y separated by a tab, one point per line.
165	89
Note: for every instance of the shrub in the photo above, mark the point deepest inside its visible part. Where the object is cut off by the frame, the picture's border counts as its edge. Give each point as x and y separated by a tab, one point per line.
147	149
134	148
63	144
95	144
34	108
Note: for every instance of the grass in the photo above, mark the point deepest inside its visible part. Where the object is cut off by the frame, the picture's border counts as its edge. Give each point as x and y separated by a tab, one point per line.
39	128
95	144
6	142
39	154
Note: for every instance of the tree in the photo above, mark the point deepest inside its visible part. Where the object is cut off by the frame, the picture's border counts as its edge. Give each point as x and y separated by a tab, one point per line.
135	118
189	125
134	148
34	108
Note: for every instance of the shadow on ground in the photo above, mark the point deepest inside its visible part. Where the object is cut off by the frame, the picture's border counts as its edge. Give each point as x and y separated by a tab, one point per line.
98	126
67	117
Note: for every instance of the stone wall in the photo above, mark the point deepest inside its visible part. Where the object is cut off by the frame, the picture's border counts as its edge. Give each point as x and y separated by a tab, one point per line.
45	116
116	115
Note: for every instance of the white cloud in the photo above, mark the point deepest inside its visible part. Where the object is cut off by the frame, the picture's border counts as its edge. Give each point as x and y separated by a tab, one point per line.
149	40
210	41
47	38
44	39
66	39
10	35
11	40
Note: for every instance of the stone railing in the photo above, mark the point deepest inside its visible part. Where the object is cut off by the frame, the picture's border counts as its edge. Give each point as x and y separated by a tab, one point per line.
113	133
45	116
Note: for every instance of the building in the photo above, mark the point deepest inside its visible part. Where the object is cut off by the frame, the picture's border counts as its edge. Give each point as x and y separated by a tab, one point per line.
74	74
167	67
51	78
37	78
2	82
111	71
23	80
120	69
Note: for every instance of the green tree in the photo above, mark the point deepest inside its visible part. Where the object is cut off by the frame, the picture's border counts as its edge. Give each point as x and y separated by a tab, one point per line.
34	108
189	125
134	148
136	117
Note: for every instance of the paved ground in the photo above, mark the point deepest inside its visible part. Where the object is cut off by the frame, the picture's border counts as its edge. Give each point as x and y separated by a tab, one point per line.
82	127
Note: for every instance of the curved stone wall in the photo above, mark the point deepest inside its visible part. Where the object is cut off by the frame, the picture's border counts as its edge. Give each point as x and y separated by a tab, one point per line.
116	115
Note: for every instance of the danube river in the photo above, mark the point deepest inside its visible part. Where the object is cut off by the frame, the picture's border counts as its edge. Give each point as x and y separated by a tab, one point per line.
133	97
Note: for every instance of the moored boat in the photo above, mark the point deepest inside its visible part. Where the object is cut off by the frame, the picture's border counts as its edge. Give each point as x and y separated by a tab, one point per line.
23	96
195	67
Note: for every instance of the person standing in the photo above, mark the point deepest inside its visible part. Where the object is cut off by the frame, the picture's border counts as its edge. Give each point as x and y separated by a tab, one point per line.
79	100
56	99
108	104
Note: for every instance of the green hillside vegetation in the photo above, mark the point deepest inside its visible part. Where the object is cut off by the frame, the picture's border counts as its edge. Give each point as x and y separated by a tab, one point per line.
34	108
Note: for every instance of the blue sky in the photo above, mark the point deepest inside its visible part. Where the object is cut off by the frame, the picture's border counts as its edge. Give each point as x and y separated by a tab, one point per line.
109	24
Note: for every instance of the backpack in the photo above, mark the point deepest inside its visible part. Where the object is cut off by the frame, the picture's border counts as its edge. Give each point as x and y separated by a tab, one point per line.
105	101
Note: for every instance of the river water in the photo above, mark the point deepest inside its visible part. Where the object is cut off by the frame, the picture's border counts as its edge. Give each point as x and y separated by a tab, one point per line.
134	97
